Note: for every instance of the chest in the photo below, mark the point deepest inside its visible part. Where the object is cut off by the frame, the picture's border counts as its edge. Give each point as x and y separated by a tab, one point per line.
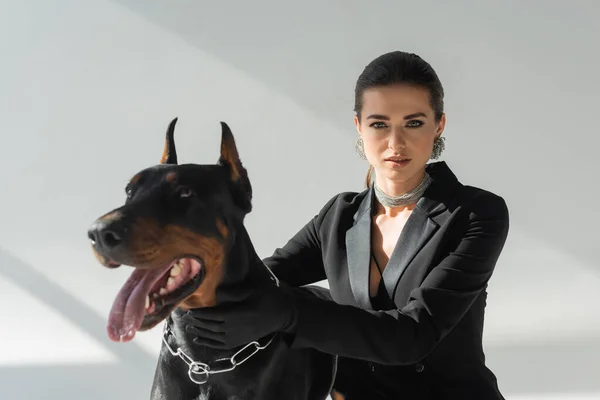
385	232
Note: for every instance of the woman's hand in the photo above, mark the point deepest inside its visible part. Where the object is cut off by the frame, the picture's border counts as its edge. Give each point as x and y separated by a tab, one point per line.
262	311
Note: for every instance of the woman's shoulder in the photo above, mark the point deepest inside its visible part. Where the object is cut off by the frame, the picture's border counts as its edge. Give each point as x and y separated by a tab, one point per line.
341	203
348	198
447	189
450	190
476	203
478	207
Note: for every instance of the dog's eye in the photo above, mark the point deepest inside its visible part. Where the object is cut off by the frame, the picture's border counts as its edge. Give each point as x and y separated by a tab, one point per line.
128	191
184	191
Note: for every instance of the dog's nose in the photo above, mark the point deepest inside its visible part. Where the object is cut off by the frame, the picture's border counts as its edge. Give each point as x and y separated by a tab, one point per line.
106	235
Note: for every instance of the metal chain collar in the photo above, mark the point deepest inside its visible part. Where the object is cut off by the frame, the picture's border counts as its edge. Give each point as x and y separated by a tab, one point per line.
199	372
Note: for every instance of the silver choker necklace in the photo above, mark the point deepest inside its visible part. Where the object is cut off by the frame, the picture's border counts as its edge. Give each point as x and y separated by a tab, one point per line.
410	197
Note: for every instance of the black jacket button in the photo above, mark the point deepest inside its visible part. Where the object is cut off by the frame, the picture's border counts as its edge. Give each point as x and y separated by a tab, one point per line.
419	367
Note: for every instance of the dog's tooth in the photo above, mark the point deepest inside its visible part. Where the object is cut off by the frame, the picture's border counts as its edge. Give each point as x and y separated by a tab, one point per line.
170	281
162	291
176	270
147	301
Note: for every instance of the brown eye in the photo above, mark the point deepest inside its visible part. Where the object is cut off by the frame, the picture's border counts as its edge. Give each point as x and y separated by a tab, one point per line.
184	192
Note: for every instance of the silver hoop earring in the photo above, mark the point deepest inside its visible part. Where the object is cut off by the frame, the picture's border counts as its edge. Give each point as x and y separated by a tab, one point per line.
438	147
359	148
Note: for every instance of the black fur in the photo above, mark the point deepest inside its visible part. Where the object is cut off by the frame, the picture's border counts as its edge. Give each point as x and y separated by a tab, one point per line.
196	199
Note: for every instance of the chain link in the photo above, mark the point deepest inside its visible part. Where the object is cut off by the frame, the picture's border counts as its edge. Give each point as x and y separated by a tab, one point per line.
198	371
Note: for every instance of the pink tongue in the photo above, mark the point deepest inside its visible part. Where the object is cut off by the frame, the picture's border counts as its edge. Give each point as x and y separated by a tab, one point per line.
129	307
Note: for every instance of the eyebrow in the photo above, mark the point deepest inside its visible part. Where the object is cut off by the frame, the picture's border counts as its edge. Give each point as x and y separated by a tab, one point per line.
386	118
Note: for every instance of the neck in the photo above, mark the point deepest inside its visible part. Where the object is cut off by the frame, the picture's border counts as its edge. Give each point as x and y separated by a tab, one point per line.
395	188
394	197
388	211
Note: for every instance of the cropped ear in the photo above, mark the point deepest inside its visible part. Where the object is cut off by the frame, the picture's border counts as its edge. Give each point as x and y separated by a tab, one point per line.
169	155
238	176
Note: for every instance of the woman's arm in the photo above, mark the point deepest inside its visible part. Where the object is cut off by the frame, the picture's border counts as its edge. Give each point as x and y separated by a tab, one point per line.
262	310
403	336
407	335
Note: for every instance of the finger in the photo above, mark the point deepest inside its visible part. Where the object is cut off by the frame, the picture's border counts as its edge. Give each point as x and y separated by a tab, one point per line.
205	333
219	312
207	314
196	318
215	344
206	325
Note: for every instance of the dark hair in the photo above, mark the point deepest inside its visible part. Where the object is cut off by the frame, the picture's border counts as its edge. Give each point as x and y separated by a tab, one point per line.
399	67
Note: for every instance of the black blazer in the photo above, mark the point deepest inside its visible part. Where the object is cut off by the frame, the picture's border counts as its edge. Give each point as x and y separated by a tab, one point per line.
431	344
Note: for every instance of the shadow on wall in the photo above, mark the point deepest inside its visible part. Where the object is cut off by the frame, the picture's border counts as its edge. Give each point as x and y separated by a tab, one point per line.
547	368
89	382
521	369
273	59
134	371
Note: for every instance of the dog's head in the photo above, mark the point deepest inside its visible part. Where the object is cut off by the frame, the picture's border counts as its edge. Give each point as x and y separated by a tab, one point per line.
174	229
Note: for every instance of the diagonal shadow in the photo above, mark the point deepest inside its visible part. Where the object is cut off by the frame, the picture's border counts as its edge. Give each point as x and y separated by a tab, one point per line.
268	41
40	287
521	368
566	366
89	382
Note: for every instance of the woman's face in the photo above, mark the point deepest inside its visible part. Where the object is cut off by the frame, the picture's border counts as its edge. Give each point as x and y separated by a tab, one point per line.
398	129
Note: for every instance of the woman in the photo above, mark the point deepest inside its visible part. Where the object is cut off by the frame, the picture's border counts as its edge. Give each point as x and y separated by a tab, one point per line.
407	260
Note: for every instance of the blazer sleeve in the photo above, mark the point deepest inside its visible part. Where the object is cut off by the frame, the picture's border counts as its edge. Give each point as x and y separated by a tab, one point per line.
408	335
300	262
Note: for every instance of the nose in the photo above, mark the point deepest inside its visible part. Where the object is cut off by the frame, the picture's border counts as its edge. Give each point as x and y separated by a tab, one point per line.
397	139
106	235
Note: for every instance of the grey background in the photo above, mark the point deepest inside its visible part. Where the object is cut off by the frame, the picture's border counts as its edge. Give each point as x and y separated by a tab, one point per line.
88	88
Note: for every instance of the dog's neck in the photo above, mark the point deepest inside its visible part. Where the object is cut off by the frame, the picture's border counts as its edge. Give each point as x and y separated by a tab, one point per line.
242	268
242	265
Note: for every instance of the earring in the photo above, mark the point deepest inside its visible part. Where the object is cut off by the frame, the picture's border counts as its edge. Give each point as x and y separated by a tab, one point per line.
359	149
438	147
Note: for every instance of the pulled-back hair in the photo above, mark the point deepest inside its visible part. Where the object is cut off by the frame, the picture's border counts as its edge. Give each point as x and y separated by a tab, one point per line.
399	67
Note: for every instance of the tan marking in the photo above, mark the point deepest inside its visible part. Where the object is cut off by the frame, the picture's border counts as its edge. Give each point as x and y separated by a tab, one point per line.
171	176
135	179
222	228
165	154
212	252
101	259
110	216
336	395
230	155
155	247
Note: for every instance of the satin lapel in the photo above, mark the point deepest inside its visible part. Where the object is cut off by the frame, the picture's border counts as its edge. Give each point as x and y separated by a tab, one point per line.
416	232
419	228
358	248
421	225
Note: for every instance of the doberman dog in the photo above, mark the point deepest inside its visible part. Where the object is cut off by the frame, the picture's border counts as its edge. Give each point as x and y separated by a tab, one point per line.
182	229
